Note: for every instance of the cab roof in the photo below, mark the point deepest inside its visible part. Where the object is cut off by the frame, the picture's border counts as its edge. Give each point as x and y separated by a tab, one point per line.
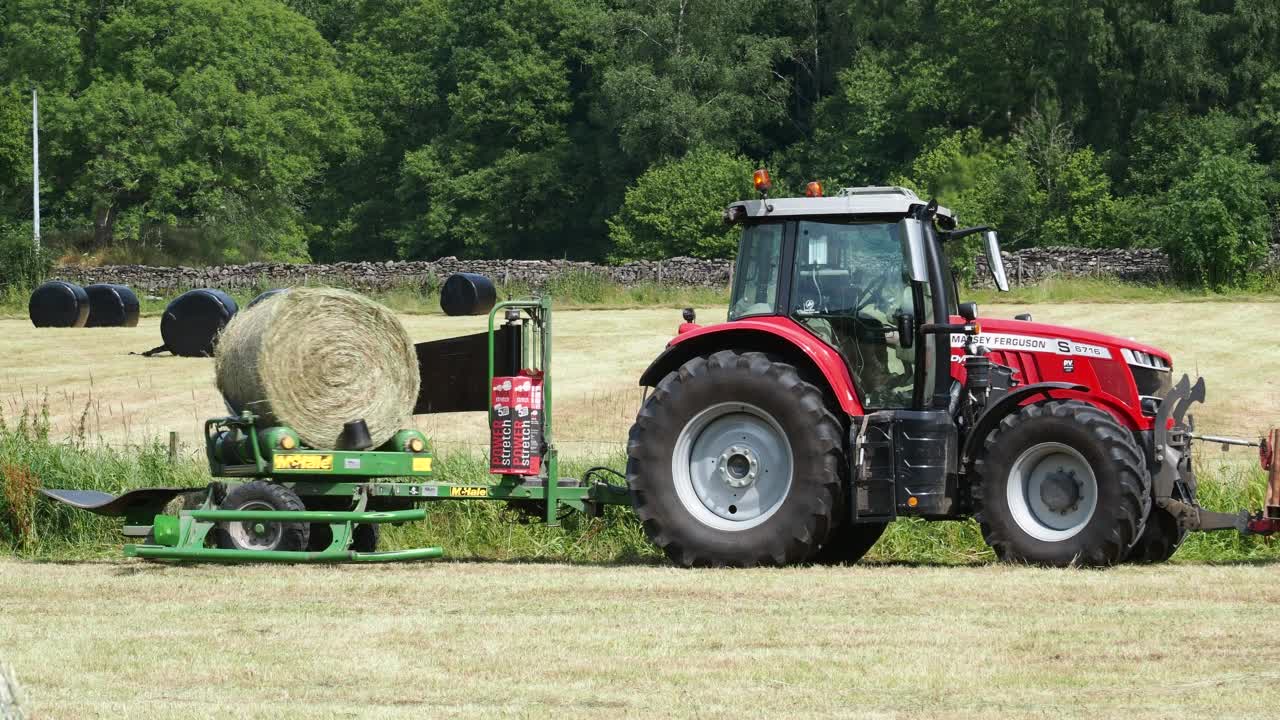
876	200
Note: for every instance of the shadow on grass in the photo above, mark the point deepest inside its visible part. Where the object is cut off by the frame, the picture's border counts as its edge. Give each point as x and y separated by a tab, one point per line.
132	566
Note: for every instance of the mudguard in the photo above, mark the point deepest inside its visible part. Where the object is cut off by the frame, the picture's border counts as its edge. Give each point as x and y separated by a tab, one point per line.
770	334
995	412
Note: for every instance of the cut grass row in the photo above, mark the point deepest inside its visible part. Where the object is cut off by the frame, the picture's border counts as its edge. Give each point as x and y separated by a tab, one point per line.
33	527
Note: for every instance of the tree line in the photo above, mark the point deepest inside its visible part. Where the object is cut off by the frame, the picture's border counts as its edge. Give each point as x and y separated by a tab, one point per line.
616	129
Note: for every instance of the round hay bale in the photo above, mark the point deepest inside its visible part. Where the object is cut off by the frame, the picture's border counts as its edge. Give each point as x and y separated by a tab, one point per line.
111	306
265	295
314	359
59	304
467	294
192	321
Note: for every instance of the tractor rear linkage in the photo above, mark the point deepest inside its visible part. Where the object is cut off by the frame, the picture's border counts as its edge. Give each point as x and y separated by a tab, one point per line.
342	490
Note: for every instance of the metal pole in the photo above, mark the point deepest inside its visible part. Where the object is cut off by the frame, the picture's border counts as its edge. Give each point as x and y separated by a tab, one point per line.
35	164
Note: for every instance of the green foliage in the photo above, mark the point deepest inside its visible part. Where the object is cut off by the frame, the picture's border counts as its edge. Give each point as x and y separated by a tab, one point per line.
167	115
681	75
1215	229
1205	198
677	207
1037	188
33	527
203	130
21	266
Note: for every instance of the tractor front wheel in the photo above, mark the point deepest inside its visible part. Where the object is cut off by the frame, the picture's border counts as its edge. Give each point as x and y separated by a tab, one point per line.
1061	483
735	460
258	534
1160	539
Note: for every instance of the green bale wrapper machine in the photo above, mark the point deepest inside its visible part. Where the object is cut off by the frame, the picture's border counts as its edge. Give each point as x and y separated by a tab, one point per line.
274	499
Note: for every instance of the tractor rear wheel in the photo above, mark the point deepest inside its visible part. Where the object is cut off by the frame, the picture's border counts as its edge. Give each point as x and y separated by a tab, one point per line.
263	535
365	536
735	460
848	543
1061	483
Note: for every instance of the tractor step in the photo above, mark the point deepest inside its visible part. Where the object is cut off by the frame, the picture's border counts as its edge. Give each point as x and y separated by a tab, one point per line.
904	464
874	496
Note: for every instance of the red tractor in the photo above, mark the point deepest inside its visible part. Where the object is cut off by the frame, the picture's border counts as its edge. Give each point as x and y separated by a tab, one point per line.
850	387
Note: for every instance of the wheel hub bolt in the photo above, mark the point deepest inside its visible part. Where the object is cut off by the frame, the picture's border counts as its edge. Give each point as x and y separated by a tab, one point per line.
738	466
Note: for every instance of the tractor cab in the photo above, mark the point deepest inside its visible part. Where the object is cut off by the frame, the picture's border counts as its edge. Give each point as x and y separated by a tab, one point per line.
861	271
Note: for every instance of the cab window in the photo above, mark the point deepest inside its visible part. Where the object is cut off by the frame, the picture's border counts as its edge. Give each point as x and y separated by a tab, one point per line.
848	288
755	274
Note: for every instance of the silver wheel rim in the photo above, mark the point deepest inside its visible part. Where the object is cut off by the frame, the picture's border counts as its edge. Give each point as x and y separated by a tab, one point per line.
1041	471
732	466
251	535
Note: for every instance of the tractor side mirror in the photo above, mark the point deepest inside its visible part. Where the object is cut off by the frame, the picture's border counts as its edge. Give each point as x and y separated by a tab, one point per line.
996	262
906	323
913	249
968	311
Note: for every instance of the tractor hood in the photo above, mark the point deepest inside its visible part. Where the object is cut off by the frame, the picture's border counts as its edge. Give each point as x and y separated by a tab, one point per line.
1003	335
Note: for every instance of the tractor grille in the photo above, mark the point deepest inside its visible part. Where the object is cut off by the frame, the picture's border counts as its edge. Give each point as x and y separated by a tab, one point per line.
1025	370
1152	382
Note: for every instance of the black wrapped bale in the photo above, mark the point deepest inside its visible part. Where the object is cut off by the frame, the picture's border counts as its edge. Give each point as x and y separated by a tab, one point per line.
467	294
59	304
265	295
112	306
193	320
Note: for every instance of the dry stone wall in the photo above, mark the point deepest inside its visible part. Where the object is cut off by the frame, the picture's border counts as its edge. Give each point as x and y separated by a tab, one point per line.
1023	266
1035	264
1029	266
385	275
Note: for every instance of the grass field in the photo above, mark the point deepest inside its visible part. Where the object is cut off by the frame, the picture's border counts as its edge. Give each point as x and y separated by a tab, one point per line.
485	640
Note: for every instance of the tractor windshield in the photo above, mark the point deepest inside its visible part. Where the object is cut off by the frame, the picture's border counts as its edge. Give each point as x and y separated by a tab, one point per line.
848	288
755	276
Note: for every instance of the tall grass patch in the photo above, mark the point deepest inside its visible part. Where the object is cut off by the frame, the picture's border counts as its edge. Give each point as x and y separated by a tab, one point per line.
32	526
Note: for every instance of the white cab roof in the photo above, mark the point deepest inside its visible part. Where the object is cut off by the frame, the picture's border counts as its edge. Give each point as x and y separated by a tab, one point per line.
849	201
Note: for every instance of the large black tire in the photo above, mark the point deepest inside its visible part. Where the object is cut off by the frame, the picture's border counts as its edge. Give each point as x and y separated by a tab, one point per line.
365	536
848	543
262	495
780	415
1121	487
1160	539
